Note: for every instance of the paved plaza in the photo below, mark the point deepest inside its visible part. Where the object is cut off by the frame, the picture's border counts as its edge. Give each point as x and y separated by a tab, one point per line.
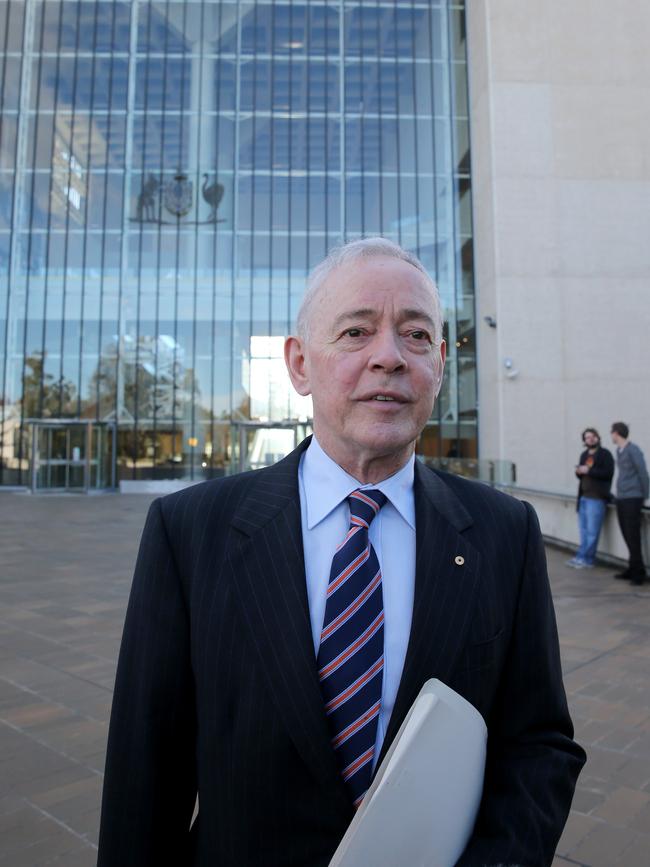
65	572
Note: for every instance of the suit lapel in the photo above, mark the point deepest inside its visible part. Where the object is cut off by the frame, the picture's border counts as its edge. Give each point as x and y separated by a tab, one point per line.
268	575
444	591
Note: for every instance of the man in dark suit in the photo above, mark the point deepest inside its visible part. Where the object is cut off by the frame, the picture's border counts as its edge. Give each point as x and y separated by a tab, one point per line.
282	621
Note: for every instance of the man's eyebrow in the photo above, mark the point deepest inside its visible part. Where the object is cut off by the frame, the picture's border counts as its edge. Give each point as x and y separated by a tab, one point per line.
415	313
370	313
361	313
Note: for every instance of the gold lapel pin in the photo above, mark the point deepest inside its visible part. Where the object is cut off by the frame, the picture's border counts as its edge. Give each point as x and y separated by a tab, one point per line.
459	561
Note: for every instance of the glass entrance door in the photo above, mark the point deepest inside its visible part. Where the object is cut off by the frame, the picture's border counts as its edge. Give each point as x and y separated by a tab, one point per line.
256	444
71	456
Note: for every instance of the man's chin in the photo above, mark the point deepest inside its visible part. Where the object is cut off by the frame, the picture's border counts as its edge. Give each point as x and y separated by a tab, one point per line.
384	439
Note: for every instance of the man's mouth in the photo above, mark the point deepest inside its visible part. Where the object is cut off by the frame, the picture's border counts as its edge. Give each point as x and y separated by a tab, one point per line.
385	397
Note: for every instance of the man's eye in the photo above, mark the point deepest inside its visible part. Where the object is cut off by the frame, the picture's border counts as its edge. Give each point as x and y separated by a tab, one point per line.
420	335
354	332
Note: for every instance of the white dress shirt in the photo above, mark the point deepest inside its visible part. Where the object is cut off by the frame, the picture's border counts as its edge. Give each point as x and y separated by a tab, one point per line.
325	515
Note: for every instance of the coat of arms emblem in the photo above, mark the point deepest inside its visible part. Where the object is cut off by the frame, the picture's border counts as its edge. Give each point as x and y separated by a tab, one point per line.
177	195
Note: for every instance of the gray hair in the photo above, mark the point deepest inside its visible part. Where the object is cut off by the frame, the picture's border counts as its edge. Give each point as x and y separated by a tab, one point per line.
364	248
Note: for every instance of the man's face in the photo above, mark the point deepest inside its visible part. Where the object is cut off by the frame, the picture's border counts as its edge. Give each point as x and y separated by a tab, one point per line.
370	362
590	440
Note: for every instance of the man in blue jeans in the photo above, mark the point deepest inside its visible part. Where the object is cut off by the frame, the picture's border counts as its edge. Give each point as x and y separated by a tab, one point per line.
595	472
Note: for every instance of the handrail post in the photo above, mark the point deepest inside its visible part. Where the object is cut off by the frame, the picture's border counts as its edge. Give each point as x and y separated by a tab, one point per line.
34	457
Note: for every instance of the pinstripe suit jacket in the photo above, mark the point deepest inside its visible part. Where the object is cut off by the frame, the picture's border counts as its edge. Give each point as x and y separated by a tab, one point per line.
217	690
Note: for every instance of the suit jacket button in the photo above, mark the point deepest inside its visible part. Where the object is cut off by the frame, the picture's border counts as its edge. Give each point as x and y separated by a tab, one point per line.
459	560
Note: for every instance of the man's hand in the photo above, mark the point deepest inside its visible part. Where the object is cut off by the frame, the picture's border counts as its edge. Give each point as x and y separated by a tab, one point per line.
582	470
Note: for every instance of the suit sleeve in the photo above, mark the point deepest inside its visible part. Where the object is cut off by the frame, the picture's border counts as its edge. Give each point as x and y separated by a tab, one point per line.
150	781
532	760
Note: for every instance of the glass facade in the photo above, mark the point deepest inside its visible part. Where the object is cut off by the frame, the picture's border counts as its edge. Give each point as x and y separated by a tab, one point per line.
169	172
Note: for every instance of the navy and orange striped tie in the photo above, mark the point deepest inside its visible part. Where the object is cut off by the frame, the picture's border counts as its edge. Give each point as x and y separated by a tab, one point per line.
351	653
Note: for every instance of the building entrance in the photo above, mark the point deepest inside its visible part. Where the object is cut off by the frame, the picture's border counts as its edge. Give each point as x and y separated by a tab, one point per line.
260	444
72	455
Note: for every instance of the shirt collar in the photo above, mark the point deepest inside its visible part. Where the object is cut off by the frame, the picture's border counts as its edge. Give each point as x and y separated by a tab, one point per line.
326	485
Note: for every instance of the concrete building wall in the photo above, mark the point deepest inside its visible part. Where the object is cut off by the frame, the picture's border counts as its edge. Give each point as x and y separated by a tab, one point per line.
560	123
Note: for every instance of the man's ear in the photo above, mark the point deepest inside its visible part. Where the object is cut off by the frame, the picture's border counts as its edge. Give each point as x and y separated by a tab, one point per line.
441	361
295	359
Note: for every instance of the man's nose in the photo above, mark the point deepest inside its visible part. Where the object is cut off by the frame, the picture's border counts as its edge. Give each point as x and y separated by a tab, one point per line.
386	353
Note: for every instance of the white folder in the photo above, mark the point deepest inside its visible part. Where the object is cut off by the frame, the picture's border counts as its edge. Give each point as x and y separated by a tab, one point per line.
421	807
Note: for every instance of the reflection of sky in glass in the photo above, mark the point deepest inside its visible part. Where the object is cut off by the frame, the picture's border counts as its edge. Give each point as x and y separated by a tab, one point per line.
70	26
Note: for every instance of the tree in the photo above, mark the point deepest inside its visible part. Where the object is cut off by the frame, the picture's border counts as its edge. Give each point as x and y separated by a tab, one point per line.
43	395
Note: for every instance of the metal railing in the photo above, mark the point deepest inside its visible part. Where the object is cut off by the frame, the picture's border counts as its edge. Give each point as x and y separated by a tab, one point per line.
493	472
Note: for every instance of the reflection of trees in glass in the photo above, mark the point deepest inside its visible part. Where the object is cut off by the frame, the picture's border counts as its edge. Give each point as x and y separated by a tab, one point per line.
153	382
170	409
43	395
102	387
157	384
242	411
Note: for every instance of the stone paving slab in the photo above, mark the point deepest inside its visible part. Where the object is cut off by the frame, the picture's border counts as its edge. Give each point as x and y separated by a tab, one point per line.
65	572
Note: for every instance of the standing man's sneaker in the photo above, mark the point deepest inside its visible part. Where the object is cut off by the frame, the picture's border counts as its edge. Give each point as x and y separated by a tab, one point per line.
622	576
574	563
637	580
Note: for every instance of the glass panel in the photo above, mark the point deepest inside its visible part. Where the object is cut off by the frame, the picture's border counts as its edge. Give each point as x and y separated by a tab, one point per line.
464	206
97	140
81	83
10	83
186	27
259	446
167	141
286	86
299	144
466	265
77	456
73	26
5	246
163	83
12	16
161	141
289	29
57	475
58	449
391	31
459	88
8	130
461	147
457	35
224	88
160	28
323	30
6	199
266	446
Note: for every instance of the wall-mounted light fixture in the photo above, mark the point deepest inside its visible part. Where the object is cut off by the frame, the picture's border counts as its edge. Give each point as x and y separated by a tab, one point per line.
491	321
511	370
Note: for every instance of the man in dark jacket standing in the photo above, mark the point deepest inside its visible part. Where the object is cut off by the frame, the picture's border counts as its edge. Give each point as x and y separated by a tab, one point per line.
594	471
222	679
631	491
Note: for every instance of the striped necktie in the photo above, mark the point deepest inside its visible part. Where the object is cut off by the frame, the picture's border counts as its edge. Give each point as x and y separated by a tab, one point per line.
351	653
